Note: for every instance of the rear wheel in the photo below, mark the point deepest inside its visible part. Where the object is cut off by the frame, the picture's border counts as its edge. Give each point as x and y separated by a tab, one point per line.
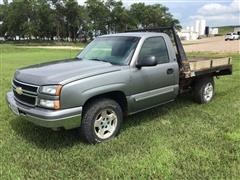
204	90
101	120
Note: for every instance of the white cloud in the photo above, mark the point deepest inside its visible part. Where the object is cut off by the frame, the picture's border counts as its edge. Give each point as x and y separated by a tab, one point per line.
219	14
218	9
217	17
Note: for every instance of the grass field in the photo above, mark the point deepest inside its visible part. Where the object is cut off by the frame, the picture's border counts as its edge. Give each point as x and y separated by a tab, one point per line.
43	43
225	29
181	140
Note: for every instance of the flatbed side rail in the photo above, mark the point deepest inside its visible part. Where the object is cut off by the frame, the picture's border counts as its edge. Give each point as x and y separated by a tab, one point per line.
220	66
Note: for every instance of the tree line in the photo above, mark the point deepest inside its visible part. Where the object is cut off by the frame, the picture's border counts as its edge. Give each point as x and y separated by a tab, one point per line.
66	19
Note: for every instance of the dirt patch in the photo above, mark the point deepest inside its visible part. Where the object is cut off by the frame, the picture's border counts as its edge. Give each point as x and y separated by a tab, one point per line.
53	47
213	44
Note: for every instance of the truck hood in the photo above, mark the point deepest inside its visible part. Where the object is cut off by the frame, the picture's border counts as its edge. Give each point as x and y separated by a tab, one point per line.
64	71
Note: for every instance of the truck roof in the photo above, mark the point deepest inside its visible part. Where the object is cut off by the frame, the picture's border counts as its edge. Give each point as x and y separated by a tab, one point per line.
136	34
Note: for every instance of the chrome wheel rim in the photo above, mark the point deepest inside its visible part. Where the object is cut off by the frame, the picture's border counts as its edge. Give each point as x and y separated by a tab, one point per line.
208	92
105	123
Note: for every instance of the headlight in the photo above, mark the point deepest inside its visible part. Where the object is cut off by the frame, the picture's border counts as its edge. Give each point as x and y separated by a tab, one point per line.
51	90
52	104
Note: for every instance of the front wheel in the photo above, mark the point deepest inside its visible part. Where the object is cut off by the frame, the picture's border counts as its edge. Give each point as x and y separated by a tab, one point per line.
101	120
204	90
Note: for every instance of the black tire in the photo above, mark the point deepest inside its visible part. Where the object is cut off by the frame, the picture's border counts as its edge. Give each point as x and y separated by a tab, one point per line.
91	111
199	90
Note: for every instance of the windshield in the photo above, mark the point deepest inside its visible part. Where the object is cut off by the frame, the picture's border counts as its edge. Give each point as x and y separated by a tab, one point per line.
115	50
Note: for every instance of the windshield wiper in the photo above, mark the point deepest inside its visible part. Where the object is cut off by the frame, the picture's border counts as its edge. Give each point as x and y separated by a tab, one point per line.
96	59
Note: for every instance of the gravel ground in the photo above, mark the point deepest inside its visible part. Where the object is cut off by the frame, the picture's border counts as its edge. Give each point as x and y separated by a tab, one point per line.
213	44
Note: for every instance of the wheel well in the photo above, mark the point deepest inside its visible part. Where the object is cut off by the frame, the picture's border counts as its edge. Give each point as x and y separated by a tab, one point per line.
117	96
205	76
187	85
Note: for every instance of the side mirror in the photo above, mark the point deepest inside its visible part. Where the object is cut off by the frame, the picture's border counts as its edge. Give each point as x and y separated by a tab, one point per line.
146	61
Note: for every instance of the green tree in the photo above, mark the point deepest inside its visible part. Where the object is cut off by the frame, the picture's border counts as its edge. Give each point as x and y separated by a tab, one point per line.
159	15
16	18
118	16
44	20
74	18
98	15
3	16
59	18
147	16
20	18
139	15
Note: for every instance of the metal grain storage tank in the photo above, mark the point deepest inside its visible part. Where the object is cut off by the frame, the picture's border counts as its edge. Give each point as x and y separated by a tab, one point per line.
197	23
202	26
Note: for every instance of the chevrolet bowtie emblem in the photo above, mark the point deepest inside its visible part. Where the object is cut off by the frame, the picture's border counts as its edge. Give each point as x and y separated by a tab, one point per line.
19	90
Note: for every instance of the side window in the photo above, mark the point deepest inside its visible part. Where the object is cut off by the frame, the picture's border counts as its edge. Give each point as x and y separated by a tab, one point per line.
155	46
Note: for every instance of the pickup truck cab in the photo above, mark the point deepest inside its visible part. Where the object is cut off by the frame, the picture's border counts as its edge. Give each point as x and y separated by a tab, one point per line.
114	76
231	36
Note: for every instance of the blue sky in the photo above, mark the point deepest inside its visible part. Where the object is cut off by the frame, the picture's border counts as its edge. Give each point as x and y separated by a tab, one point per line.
216	12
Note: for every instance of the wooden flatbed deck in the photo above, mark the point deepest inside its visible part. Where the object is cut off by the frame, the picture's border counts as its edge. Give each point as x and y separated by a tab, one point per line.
200	64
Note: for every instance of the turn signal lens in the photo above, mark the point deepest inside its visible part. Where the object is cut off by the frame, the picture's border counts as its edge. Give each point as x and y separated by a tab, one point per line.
56	104
58	90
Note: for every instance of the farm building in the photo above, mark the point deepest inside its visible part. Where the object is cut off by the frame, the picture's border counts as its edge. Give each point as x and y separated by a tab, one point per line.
236	29
193	33
188	35
213	31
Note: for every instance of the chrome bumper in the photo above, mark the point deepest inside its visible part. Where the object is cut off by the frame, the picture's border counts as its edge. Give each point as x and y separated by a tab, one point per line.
66	118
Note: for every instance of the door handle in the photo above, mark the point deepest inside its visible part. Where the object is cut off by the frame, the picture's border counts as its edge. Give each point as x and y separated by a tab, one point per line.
170	71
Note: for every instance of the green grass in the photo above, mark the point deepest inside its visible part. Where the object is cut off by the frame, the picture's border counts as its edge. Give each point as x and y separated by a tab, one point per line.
225	29
43	43
181	140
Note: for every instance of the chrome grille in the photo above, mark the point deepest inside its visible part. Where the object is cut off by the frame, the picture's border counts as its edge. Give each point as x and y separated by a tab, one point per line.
28	94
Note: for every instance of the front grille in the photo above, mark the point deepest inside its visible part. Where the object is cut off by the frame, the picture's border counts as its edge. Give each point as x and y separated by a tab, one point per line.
26	87
25	99
28	94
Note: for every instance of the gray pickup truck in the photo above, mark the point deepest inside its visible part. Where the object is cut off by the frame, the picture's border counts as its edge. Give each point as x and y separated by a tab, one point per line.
114	76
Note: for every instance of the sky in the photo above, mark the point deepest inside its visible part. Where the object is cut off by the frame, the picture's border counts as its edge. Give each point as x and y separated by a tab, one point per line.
215	12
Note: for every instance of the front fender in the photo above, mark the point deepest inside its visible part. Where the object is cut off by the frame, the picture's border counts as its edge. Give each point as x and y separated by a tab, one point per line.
86	95
74	95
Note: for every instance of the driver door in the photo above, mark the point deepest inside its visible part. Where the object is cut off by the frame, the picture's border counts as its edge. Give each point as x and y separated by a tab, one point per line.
158	84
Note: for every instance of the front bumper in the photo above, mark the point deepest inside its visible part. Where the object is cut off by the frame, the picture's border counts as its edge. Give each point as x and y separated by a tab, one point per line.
65	118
